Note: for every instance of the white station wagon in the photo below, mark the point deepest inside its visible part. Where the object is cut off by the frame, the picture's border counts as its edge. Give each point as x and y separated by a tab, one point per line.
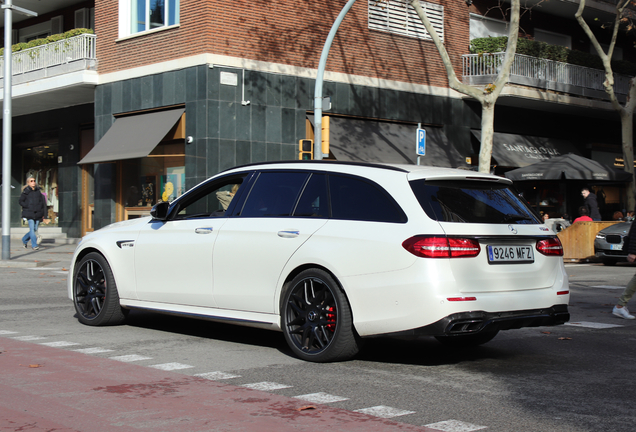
330	253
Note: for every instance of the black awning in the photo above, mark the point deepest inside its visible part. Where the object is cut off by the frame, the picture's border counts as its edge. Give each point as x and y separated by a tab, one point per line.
375	141
133	136
514	150
569	167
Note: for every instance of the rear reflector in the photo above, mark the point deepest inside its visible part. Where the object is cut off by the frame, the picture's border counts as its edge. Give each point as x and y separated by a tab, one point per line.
462	299
550	247
563	292
442	247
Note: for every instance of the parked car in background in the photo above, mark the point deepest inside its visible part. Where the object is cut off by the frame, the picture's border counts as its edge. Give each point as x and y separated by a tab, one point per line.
329	253
608	244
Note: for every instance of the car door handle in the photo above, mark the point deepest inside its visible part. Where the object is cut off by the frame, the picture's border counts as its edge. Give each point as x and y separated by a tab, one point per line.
206	230
288	233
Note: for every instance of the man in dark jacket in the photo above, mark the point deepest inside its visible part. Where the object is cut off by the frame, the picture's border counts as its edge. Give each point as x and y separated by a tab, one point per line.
33	206
620	310
592	204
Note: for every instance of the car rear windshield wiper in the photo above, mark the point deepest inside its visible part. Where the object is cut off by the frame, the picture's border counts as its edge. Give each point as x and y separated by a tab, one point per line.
514	217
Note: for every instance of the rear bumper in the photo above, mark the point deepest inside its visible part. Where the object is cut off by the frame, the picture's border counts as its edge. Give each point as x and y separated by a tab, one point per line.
474	322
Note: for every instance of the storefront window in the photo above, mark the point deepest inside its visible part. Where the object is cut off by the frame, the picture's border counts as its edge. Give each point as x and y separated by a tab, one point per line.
41	163
158	177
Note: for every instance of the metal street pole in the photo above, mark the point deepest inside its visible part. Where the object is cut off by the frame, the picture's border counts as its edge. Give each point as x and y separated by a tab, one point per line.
318	155
6	126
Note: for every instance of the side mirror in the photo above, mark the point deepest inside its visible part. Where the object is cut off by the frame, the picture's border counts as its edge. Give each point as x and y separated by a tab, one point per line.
160	211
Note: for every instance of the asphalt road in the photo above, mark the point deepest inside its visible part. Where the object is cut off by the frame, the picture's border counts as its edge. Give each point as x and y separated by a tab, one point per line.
576	377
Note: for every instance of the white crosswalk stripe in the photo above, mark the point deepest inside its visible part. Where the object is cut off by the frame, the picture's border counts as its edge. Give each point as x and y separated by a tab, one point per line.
593	325
130	358
321	398
266	386
455	426
384	411
213	376
28	338
59	344
96	350
171	366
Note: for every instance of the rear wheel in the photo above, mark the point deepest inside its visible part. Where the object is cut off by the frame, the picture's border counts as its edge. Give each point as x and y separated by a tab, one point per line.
95	293
609	262
316	318
469	339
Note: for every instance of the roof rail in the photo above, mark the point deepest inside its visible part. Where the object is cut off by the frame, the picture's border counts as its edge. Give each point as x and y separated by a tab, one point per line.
323	161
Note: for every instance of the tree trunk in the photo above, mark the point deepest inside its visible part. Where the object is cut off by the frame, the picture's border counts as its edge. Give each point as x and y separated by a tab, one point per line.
487	133
627	129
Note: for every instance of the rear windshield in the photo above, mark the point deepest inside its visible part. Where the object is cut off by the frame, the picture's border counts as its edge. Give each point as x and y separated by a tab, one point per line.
472	202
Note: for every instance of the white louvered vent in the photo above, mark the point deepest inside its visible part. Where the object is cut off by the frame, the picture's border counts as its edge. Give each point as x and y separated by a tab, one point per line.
397	16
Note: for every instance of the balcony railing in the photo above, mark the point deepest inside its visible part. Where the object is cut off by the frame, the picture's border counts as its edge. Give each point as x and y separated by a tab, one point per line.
78	49
481	69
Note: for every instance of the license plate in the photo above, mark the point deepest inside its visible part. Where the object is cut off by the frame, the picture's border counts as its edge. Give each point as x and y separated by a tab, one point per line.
616	247
510	254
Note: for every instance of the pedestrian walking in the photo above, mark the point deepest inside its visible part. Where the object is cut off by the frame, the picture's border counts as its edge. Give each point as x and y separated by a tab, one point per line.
33	206
591	203
620	310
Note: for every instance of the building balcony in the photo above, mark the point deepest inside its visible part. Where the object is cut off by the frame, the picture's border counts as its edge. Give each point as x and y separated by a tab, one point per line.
482	69
54	75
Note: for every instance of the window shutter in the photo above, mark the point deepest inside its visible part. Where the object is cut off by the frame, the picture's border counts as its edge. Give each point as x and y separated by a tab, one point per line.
81	18
57	24
397	16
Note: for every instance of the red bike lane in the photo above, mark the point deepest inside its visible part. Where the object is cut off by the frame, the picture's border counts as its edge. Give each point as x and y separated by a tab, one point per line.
45	389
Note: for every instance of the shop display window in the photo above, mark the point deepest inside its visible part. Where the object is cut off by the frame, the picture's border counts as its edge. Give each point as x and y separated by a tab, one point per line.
158	177
41	162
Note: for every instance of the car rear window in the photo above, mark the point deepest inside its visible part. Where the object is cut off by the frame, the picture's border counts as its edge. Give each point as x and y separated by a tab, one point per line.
472	201
354	198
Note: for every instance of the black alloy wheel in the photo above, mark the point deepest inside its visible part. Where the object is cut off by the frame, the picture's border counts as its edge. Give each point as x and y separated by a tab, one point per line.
95	293
317	320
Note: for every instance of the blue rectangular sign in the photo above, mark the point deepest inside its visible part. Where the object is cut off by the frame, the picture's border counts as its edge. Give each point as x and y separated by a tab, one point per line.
420	141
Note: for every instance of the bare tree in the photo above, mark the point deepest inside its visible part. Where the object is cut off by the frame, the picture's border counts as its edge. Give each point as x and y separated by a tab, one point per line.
487	96
626	111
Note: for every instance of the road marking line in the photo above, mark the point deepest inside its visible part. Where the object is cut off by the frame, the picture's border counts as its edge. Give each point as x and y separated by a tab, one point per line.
130	358
608	287
59	344
7	332
96	350
266	386
171	366
455	426
213	376
594	325
28	338
384	411
321	398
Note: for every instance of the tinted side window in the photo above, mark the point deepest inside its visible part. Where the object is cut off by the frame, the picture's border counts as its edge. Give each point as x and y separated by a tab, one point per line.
472	202
357	199
210	200
314	201
274	194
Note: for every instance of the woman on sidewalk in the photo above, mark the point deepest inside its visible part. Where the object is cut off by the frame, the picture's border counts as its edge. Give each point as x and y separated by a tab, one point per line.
33	206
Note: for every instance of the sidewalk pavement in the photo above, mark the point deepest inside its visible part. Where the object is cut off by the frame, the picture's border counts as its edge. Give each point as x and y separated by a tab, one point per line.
44	388
50	254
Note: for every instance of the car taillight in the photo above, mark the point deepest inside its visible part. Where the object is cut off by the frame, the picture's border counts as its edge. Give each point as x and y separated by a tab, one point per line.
442	247
550	247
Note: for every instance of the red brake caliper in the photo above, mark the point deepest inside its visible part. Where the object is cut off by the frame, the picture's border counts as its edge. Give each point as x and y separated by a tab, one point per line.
331	317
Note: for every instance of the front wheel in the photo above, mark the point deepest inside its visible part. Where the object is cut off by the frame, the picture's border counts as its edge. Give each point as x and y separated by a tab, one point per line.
95	293
316	318
469	340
